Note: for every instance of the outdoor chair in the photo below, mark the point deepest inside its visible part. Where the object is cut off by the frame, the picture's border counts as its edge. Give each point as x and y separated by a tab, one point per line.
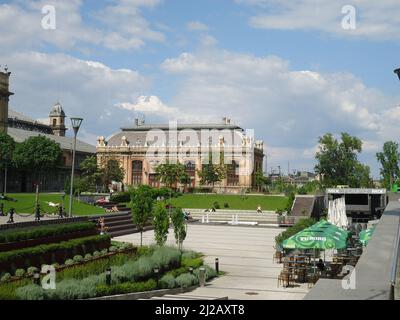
312	279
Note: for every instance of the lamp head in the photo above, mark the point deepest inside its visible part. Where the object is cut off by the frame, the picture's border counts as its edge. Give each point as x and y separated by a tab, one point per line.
397	71
76	123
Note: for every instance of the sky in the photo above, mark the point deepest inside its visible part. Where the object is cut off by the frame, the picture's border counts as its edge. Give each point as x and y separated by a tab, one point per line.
290	70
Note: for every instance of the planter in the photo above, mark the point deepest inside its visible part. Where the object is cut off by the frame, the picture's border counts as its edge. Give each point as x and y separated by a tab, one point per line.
53	239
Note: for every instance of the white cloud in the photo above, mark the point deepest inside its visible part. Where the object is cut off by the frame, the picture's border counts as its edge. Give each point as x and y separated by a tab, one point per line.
148	104
85	88
196	26
378	20
122	26
289	109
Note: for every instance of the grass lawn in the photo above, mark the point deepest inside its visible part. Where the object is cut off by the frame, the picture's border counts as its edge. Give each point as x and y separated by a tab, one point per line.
238	202
26	203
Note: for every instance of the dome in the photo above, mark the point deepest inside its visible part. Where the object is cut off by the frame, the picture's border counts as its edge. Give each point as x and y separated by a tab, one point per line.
57	111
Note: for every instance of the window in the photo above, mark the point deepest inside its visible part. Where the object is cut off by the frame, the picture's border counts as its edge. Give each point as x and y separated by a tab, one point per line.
137	172
233	174
54	122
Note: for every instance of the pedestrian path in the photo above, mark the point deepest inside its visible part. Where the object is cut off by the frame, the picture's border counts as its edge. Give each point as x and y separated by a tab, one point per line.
244	253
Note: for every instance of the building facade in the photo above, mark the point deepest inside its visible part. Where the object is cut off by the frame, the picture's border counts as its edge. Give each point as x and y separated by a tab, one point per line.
21	127
141	148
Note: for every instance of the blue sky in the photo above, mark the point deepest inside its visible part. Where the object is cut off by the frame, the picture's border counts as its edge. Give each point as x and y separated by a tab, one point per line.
286	69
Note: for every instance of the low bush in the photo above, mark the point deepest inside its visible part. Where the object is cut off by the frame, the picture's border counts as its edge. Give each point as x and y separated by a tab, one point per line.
21	234
167	282
78	259
69	262
226	205
209	272
299	226
96	254
126	287
186	280
121	197
32	270
216	205
5	277
19	273
22	257
88	257
113	249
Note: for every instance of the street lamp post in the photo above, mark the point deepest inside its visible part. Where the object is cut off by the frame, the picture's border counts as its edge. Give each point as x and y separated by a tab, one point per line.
76	123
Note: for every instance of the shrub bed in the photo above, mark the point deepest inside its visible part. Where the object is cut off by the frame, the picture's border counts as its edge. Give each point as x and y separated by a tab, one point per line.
20	234
51	253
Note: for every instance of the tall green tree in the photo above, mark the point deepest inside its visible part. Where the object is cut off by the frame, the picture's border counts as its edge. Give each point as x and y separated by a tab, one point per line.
142	203
91	174
178	221
111	170
389	159
7	146
260	179
161	224
337	160
37	154
171	173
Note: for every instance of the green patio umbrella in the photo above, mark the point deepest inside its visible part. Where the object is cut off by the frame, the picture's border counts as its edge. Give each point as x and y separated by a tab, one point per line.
330	228
314	239
366	235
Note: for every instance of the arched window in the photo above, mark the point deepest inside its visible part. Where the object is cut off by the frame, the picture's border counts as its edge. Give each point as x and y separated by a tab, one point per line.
137	172
233	174
54	122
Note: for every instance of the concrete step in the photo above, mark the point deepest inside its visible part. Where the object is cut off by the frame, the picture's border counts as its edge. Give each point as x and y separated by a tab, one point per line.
184	296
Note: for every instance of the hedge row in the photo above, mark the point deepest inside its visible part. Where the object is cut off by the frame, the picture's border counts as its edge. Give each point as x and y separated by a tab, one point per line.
296	228
14	235
51	253
123	197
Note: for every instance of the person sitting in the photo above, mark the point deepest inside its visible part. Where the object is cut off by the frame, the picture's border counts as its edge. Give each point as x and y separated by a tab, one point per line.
113	209
187	215
259	209
321	265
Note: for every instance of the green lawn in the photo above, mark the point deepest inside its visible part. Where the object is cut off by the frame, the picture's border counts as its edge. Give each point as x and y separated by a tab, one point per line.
238	202
26	203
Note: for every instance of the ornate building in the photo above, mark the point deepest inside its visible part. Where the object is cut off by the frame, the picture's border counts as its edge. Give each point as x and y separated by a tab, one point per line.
141	148
21	127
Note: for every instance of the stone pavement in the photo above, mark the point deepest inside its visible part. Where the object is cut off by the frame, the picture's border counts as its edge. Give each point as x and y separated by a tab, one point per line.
245	253
26	218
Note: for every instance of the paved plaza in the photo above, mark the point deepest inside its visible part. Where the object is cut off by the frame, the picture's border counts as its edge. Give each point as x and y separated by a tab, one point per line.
245	253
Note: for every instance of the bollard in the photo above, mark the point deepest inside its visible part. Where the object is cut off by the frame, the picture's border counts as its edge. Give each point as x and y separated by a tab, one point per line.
208	219
202	277
217	265
157	274
108	276
202	218
191	270
233	219
237	218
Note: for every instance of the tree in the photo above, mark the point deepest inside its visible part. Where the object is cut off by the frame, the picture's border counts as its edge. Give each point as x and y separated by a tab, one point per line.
37	154
142	207
7	146
178	221
337	161
91	174
171	173
161	224
260	179
389	159
111	171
